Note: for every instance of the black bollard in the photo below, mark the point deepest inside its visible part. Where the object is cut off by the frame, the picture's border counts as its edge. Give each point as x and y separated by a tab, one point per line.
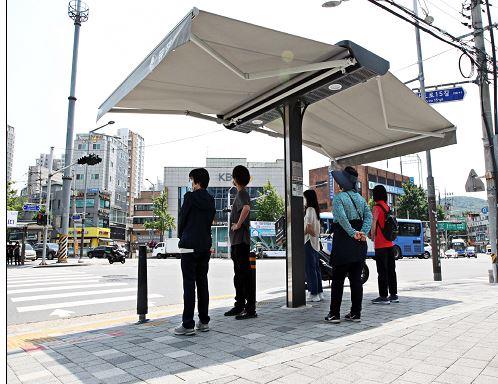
142	306
252	266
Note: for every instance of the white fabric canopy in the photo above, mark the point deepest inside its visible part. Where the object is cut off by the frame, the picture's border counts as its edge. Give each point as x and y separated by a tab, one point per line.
240	74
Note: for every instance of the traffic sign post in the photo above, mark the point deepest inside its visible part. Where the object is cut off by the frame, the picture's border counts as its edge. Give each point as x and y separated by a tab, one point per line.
444	95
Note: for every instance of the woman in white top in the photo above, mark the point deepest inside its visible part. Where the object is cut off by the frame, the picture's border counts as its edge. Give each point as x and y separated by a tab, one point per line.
312	246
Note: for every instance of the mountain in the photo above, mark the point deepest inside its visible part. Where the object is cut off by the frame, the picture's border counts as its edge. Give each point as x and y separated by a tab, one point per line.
462	204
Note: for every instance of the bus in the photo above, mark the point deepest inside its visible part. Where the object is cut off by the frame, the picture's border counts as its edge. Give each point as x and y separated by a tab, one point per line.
409	243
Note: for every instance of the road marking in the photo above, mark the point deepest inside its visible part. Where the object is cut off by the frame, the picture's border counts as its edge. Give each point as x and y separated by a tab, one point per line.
72	294
35	284
45	278
65	287
61	313
79	303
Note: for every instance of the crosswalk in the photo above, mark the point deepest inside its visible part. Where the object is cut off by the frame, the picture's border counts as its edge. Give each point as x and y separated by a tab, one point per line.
32	291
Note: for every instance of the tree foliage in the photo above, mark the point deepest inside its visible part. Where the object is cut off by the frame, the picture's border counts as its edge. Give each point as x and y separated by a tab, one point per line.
413	204
270	206
14	202
163	221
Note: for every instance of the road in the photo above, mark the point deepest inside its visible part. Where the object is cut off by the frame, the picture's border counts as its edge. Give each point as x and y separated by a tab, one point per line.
37	294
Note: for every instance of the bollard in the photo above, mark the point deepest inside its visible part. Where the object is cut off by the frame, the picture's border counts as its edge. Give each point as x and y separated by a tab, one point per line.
142	306
252	266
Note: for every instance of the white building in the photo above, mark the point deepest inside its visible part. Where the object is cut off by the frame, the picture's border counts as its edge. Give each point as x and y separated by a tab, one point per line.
220	171
11	136
135	144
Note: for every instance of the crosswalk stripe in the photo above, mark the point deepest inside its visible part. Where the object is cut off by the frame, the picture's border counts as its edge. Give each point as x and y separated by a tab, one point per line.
38	278
72	294
64	287
79	303
36	284
39	273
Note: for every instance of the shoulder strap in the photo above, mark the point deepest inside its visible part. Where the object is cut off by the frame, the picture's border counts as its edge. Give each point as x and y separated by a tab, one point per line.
357	210
382	207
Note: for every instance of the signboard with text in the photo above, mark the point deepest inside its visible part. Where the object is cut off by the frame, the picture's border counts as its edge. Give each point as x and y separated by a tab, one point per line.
444	95
11	219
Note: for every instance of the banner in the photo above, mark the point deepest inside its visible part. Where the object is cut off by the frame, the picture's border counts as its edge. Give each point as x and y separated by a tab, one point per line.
11	219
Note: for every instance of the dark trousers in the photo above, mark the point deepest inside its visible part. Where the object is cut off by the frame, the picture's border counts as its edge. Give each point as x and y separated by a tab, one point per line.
386	269
17	258
313	273
339	272
245	289
195	268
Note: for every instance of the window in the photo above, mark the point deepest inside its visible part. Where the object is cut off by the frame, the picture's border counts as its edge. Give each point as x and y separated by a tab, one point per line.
381	180
144	207
142	220
398	184
96	146
81	146
79	176
323	206
409	229
95	176
90	203
372	178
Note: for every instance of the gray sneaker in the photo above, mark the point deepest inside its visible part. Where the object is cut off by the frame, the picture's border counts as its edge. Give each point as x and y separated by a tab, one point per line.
202	327
181	330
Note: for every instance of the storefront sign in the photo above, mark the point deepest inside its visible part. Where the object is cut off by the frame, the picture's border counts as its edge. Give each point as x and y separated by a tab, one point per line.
92	232
389	188
262	228
11	219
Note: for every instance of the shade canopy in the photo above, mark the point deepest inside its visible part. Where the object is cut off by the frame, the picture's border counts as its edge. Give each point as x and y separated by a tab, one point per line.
240	75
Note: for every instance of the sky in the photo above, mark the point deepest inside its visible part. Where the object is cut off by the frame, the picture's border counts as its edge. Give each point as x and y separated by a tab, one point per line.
119	34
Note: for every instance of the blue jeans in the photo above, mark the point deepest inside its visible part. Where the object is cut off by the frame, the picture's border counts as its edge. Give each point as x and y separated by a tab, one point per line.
313	274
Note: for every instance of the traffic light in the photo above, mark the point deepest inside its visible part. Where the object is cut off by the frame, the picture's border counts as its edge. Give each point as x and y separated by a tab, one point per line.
90	159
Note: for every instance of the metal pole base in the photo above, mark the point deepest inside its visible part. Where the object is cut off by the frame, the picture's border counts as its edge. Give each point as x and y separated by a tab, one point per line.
80	261
62	260
43	263
438	277
142	319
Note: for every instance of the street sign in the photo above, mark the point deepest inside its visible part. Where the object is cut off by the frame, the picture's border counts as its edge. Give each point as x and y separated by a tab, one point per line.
412	180
31	207
449	226
484	210
444	95
76	217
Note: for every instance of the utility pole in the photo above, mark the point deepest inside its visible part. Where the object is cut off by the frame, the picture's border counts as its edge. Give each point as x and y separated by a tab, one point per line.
77	11
490	139
47	206
431	192
75	235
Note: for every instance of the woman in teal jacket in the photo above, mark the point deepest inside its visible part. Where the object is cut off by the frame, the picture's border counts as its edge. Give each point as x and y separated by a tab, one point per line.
352	221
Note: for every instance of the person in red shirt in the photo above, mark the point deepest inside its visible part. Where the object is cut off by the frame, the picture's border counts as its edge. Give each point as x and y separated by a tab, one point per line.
384	250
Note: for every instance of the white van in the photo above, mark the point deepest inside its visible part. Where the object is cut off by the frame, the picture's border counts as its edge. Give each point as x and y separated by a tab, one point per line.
168	248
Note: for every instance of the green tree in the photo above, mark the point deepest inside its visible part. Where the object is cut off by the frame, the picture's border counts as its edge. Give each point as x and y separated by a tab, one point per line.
270	206
163	221
14	202
413	204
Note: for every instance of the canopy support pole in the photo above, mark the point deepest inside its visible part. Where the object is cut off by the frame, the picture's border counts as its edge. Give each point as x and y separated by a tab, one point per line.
295	260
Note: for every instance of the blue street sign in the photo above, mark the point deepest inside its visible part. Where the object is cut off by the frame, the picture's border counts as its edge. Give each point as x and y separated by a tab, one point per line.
412	180
484	210
76	217
444	95
31	207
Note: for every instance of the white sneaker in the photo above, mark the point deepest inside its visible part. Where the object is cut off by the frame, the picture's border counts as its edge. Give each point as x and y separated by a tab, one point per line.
321	296
315	298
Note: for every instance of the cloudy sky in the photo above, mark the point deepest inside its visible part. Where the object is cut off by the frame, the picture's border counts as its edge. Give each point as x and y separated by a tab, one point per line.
119	34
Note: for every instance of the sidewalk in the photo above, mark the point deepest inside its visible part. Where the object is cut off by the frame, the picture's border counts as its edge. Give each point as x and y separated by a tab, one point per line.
439	333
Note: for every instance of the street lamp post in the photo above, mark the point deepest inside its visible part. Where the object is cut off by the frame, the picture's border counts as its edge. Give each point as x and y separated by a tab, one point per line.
78	11
83	219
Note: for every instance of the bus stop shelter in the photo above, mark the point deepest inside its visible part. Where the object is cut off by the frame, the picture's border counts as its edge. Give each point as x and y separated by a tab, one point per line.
339	100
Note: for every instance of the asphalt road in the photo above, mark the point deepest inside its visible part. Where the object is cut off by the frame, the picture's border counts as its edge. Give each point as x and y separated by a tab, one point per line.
38	294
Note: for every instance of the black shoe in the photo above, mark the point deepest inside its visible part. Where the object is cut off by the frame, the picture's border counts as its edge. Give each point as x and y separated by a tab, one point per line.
354	318
246	315
381	300
332	319
234	311
393	299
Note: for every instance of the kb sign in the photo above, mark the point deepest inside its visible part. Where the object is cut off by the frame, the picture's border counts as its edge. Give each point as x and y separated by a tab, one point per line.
225	176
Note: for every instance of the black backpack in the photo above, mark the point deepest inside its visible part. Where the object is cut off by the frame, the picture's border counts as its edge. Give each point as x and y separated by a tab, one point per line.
391	228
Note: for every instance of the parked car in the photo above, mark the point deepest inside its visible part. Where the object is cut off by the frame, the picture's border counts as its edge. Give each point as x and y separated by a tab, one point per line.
451	254
52	249
168	248
427	251
470	252
29	253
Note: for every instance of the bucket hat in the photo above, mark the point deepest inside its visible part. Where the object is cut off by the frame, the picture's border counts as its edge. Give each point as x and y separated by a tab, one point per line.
346	178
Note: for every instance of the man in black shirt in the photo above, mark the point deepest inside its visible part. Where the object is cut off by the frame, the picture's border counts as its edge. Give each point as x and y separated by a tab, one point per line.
194	230
240	241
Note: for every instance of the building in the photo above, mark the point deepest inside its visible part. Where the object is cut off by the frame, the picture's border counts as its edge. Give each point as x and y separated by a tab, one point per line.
136	150
321	180
176	181
142	213
11	136
38	178
478	230
110	175
42	161
97	231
